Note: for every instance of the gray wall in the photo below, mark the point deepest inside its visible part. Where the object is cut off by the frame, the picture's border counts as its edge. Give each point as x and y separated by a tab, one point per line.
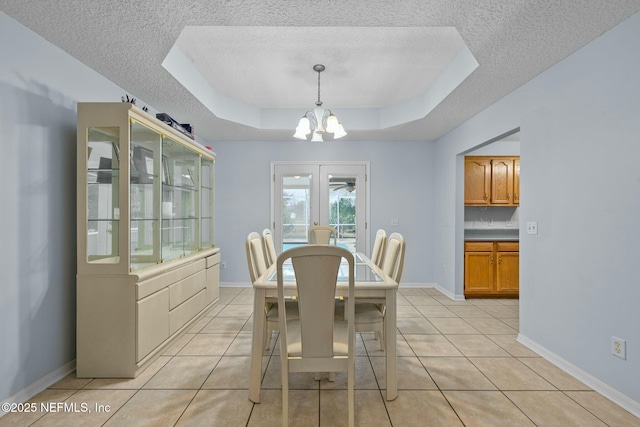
401	181
580	141
39	87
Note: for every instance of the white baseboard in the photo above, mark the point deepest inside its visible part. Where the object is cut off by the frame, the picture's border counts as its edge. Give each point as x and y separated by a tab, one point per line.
416	285
450	294
604	389
235	285
40	385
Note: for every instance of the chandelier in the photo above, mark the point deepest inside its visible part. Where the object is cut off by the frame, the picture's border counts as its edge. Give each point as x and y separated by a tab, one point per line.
319	120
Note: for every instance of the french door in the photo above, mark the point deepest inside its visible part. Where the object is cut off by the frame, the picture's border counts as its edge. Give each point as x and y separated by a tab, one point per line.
330	193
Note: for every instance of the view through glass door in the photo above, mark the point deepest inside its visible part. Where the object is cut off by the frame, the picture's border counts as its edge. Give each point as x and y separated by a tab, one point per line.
307	194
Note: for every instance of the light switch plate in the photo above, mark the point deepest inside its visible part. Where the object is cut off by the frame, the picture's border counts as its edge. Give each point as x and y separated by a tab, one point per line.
532	227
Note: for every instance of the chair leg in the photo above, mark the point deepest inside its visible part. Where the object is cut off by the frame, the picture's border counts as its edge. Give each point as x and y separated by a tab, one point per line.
285	398
267	336
380	337
351	395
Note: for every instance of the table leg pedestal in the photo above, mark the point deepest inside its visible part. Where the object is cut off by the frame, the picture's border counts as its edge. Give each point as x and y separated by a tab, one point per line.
391	344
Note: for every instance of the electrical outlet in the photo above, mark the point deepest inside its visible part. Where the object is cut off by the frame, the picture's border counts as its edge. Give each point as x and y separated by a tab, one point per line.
532	227
490	222
394	222
223	264
619	347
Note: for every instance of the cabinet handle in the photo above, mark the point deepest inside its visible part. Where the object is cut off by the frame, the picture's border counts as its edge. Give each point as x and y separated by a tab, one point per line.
492	260
499	259
486	196
508	196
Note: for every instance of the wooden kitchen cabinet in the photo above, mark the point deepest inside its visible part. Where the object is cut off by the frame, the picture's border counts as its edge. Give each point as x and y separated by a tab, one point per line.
491	269
491	181
516	181
477	180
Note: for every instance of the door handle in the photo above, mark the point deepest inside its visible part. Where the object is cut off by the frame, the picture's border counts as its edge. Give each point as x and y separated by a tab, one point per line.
315	222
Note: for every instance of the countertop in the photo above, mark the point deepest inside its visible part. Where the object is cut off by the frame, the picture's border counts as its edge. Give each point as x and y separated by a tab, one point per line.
506	234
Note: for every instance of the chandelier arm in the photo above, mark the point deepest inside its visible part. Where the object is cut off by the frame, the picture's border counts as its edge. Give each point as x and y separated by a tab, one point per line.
312	120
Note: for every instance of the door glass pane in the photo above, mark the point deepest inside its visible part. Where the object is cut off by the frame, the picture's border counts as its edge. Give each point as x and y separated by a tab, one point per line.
103	211
342	210
296	209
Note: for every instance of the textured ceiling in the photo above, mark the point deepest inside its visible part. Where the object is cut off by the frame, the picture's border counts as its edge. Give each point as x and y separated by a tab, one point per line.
512	40
272	67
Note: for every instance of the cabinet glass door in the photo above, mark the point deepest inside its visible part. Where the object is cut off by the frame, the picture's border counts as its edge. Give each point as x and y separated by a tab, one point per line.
144	203
103	210
180	200
206	204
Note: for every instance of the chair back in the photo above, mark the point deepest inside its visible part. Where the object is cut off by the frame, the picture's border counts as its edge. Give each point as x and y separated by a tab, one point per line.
394	257
322	234
269	247
255	256
379	246
316	270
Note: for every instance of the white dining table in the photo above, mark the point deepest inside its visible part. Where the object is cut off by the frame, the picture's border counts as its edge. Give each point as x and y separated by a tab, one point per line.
370	283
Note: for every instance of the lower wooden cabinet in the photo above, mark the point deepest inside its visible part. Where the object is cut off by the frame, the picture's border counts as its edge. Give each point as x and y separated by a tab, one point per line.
491	269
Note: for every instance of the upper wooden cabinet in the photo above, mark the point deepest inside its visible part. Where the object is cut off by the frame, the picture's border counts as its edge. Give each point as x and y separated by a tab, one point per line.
491	181
477	180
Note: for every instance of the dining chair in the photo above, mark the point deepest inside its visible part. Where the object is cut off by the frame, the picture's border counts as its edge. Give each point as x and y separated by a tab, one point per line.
322	234
316	341
269	247
257	267
379	246
370	315
255	256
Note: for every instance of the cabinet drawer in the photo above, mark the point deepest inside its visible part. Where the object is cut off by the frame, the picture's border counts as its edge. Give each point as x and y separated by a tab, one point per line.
507	246
213	260
478	246
179	316
154	284
153	322
186	288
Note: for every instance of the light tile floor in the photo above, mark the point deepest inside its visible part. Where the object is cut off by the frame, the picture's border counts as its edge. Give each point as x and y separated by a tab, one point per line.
459	365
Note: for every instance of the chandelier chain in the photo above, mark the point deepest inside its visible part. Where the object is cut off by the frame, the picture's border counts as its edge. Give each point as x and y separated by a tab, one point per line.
319	103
